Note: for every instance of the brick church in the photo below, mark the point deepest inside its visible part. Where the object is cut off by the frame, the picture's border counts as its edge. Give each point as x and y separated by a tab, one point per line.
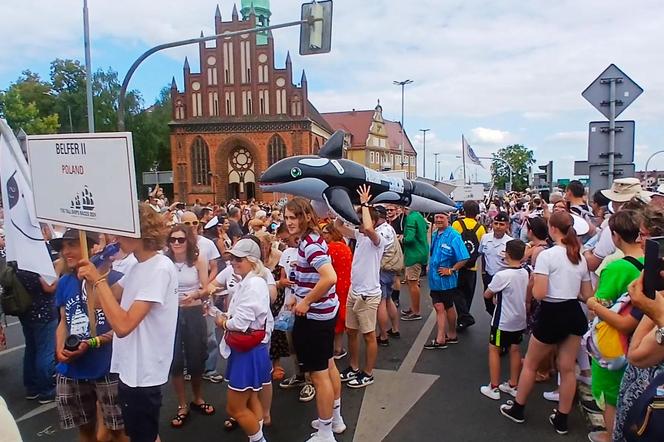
239	113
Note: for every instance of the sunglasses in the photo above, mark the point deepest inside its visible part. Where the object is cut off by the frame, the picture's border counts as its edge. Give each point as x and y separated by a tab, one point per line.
190	223
177	239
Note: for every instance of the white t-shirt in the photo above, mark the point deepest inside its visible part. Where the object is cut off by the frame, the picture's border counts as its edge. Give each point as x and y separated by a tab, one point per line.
231	280
605	245
287	261
143	357
510	286
365	270
564	277
207	248
125	264
493	250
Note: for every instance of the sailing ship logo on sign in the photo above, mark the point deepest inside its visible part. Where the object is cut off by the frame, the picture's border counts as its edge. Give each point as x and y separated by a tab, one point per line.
83	204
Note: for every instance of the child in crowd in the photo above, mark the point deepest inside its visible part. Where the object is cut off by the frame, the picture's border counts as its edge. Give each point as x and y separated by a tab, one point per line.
508	291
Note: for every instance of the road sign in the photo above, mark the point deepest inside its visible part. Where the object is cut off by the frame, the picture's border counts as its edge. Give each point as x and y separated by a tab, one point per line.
161	177
599	175
597	93
581	168
598	142
85	181
469	192
316	36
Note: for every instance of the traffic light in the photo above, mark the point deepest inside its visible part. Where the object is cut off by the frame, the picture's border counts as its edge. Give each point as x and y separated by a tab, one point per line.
316	33
546	178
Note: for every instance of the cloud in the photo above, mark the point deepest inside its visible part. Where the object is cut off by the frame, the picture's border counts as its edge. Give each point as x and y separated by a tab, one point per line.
483	135
570	136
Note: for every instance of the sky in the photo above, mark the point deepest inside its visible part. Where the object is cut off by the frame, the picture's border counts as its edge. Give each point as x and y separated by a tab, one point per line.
499	73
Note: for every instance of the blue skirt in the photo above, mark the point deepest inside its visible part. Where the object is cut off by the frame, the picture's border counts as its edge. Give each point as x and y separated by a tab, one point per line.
249	370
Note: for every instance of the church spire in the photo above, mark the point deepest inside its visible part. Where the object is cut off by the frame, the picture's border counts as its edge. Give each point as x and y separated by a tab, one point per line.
234	14
217	13
174	84
186	64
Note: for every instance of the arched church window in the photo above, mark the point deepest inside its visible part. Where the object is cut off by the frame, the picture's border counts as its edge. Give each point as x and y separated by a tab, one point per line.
276	150
200	163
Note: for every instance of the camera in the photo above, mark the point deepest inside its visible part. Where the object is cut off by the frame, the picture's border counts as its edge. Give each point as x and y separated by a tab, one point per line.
652	279
72	342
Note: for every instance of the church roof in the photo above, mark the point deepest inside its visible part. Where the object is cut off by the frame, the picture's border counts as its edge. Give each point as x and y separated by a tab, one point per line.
358	123
317	118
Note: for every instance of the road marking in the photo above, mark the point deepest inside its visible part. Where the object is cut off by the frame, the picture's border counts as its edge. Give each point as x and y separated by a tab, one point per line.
384	405
37	411
10	350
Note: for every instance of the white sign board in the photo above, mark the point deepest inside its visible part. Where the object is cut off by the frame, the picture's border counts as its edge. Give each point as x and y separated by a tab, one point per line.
85	181
473	192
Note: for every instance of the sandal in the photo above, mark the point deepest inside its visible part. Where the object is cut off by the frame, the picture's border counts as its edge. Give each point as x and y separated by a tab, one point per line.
230	424
204	408
180	418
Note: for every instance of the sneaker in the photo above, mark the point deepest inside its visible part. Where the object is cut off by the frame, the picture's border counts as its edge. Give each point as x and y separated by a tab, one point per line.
187	377
411	317
361	381
31	397
490	392
552	396
406	312
511	413
215	378
46	399
337	427
393	334
292	382
340	355
505	387
591	407
558	425
318	437
382	342
452	340
307	393
435	345
349	374
598	436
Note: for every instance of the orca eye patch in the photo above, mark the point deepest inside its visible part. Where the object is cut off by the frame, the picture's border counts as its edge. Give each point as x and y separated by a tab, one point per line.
296	172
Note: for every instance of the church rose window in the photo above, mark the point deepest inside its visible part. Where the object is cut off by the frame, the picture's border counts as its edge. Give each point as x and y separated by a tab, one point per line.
276	150
200	163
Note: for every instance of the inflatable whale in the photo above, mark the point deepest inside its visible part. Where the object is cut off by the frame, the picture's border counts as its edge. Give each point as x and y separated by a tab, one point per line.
328	178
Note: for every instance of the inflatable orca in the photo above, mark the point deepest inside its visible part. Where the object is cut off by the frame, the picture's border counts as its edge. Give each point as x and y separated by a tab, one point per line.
329	178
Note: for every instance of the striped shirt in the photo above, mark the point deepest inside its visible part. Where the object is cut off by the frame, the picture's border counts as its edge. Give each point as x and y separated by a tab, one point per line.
312	255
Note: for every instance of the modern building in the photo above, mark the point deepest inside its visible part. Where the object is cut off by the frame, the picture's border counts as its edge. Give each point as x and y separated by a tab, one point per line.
651	179
374	141
239	113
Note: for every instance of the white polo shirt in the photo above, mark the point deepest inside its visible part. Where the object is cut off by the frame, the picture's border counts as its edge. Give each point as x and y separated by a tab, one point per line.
493	250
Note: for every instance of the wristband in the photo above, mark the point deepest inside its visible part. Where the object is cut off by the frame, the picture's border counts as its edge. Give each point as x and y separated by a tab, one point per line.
99	281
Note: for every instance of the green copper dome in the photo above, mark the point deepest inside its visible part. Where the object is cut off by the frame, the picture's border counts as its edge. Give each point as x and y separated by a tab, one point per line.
262	10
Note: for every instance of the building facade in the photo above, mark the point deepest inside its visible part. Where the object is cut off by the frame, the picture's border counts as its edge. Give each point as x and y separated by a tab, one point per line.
239	113
375	142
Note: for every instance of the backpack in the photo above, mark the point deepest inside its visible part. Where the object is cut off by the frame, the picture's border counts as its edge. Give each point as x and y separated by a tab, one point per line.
15	299
392	260
605	343
469	237
644	421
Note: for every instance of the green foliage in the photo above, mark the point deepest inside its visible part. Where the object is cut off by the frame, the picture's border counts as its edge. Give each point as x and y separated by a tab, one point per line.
520	158
21	113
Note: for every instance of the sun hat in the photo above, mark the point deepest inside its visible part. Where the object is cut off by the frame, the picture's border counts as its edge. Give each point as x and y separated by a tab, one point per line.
624	189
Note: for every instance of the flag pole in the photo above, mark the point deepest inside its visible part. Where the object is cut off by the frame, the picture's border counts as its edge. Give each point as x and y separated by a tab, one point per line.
463	156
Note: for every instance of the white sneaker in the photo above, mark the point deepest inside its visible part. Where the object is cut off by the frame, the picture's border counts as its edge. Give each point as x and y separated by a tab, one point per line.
505	387
491	393
552	396
337	427
318	437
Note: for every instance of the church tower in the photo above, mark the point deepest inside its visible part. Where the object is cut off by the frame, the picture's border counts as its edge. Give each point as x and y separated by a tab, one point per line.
260	8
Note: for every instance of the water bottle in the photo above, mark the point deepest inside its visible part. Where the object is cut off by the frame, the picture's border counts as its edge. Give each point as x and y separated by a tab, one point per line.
100	258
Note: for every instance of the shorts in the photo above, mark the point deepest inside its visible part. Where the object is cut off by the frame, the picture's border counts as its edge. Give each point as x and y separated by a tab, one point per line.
558	320
140	410
190	342
606	384
386	282
414	272
77	401
361	311
313	342
504	339
445	297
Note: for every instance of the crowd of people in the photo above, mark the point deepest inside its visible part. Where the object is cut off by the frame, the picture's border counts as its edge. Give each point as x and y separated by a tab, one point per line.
256	283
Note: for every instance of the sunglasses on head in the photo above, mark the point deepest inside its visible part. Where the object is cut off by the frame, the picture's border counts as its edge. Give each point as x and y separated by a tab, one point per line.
190	223
177	239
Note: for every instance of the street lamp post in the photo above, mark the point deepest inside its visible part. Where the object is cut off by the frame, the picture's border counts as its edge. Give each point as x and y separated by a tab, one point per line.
645	174
435	172
424	151
403	87
88	67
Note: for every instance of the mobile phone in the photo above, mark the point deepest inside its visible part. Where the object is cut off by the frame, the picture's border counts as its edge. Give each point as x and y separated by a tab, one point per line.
652	279
180	206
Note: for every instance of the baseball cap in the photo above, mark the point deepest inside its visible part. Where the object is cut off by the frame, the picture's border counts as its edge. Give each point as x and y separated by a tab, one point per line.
501	217
381	210
246	247
73	235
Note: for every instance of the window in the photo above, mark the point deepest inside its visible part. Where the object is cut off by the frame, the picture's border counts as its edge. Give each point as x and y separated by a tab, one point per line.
245	61
179	110
296	108
228	62
262	73
276	150
264	102
281	101
197	105
200	163
247	104
371	158
230	103
212	76
214	104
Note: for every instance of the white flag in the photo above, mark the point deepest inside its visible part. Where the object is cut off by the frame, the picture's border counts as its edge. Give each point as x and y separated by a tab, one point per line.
24	239
470	153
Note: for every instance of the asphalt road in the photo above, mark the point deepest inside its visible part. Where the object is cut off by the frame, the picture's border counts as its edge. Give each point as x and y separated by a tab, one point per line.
452	409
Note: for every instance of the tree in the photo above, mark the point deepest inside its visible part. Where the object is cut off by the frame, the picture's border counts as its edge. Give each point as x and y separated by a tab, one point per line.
18	105
68	83
520	158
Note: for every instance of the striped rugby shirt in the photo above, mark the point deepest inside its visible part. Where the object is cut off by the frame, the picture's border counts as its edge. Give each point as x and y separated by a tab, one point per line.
312	254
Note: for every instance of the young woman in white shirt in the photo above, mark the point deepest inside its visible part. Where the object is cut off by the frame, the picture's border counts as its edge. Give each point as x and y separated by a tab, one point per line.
561	277
248	372
191	333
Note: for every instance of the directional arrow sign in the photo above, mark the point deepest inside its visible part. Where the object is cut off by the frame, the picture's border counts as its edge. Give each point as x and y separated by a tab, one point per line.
394	392
598	92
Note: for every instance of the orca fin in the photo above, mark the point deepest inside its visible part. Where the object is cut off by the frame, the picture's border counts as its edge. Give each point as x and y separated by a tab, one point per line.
333	148
339	200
